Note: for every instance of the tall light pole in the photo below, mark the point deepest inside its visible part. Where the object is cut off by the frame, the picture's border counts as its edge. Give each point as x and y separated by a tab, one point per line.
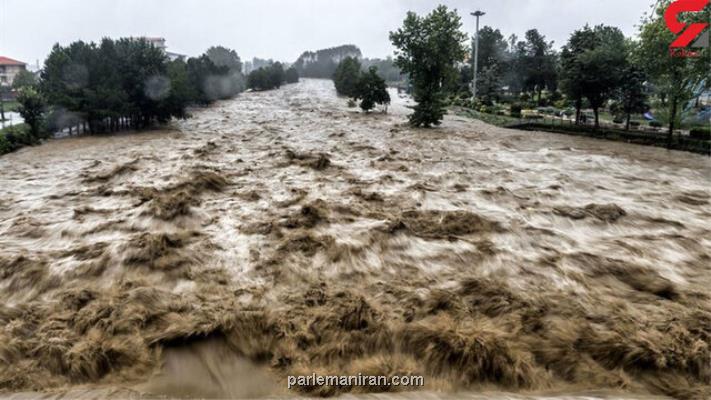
477	14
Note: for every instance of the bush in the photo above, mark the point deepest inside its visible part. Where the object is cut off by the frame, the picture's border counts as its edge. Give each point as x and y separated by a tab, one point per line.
371	90
655	124
701	133
5	146
15	137
531	114
133	80
487	109
267	78
515	110
618	120
635	124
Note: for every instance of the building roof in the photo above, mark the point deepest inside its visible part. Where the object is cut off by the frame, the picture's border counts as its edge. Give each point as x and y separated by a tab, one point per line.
10	61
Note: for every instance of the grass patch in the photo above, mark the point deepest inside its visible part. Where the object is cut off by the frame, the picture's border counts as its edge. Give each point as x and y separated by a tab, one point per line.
492	119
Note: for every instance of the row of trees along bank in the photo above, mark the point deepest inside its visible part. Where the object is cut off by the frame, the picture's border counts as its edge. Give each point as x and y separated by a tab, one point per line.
122	84
598	68
129	83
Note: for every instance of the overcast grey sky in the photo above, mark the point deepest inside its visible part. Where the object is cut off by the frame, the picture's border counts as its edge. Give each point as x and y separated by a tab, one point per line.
281	29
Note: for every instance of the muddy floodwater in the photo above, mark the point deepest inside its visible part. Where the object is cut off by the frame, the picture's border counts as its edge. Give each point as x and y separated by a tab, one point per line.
281	233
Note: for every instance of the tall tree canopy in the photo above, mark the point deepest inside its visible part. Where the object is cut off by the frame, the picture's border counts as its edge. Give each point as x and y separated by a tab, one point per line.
536	63
346	76
631	93
267	78
592	63
129	82
428	49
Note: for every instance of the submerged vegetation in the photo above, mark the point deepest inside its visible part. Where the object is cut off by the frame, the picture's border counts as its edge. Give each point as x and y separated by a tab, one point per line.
365	86
121	84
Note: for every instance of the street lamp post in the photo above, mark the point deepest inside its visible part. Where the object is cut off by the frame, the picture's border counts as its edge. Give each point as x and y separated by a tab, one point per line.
477	14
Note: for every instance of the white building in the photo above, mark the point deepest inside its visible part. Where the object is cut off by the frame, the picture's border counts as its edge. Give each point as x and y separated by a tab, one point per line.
159	43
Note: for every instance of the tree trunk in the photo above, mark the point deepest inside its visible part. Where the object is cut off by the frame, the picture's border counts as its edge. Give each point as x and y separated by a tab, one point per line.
540	92
597	117
672	118
578	106
629	117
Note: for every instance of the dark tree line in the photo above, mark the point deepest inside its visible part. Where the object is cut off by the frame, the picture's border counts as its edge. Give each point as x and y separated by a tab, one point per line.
128	83
368	87
322	63
271	77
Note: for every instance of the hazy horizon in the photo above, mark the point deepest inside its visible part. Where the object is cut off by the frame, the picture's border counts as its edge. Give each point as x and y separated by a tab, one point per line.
279	29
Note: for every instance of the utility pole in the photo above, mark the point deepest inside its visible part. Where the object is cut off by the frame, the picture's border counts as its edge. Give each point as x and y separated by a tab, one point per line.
476	14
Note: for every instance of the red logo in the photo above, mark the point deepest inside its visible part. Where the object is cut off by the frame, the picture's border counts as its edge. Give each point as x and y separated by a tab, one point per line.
687	33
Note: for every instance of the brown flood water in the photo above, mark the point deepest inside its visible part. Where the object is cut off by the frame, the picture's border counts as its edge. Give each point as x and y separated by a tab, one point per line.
281	234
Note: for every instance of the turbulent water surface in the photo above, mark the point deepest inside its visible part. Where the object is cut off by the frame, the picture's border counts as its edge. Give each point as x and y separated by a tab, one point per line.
282	233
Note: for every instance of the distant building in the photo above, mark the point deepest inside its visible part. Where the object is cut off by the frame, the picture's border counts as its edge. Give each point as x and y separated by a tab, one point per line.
159	43
9	68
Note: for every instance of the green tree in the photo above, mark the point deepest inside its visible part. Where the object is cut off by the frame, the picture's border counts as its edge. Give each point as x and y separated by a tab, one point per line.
372	90
537	63
180	94
232	81
276	75
32	108
121	83
267	78
571	68
292	75
631	93
675	78
428	49
224	57
492	60
492	47
346	77
592	64
24	79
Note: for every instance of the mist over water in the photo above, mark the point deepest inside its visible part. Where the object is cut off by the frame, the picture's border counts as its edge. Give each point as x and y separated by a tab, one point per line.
281	233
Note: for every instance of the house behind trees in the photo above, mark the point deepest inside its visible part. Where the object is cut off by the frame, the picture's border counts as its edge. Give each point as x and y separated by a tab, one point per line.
9	68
